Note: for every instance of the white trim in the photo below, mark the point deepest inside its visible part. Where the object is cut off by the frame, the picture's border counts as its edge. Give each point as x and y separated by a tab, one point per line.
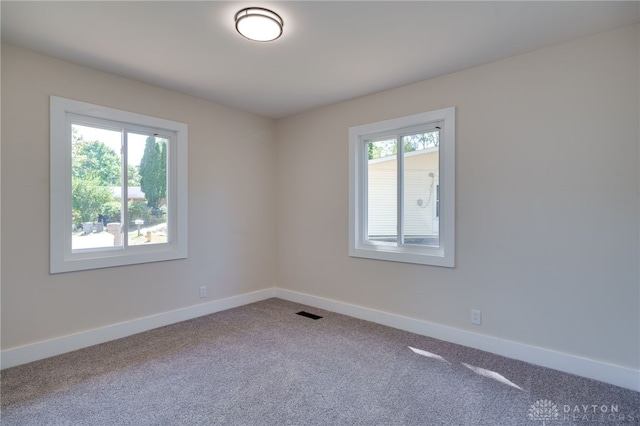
40	350
609	373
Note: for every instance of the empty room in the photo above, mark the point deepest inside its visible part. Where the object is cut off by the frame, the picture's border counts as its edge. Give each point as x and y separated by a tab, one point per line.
320	213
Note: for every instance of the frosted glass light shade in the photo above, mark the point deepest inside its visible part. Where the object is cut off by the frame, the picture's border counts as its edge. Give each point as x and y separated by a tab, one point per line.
258	24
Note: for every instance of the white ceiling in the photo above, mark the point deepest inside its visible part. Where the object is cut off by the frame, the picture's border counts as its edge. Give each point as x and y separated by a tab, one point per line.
330	51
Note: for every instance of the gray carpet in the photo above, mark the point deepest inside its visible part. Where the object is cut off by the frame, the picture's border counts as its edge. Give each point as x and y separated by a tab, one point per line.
262	364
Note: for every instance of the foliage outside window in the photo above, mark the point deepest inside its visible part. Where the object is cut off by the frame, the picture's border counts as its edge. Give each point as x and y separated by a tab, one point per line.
118	187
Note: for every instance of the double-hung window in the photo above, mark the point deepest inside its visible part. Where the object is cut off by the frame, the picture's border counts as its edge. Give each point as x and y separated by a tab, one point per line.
402	189
118	187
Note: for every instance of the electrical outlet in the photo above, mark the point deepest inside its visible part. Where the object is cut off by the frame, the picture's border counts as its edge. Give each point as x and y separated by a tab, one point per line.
203	291
476	317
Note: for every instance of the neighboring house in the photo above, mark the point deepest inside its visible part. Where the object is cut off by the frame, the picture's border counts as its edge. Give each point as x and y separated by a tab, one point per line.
134	193
421	201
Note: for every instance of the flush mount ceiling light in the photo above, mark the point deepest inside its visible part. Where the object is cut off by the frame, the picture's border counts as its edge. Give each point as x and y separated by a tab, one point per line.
259	24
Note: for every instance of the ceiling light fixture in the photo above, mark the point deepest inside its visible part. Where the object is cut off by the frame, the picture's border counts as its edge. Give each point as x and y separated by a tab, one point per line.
259	24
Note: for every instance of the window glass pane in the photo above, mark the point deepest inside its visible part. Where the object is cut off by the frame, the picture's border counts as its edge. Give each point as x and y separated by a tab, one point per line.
382	180
95	184
146	189
420	175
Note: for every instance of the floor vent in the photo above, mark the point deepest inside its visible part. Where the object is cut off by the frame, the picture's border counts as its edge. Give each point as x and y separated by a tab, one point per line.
308	315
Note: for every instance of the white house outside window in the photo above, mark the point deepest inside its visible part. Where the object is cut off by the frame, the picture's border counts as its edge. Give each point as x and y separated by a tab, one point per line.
118	187
402	189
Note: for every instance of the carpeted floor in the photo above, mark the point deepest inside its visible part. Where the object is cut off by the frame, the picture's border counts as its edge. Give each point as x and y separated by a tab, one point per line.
262	364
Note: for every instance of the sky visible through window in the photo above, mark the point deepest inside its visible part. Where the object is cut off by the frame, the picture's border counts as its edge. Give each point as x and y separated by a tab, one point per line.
112	140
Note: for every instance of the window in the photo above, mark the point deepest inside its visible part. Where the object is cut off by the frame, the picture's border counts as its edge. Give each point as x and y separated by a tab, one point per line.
118	187
402	189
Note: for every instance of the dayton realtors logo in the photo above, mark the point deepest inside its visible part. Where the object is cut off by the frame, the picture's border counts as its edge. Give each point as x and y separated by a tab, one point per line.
545	411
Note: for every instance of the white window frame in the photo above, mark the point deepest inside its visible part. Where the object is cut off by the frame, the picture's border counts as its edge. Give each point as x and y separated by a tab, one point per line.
359	245
436	202
63	258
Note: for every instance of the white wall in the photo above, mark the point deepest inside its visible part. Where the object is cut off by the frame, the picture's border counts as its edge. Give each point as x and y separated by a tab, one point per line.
231	206
547	201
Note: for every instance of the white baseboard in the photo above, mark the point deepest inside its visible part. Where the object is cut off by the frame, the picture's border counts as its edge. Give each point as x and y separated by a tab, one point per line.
597	370
40	350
